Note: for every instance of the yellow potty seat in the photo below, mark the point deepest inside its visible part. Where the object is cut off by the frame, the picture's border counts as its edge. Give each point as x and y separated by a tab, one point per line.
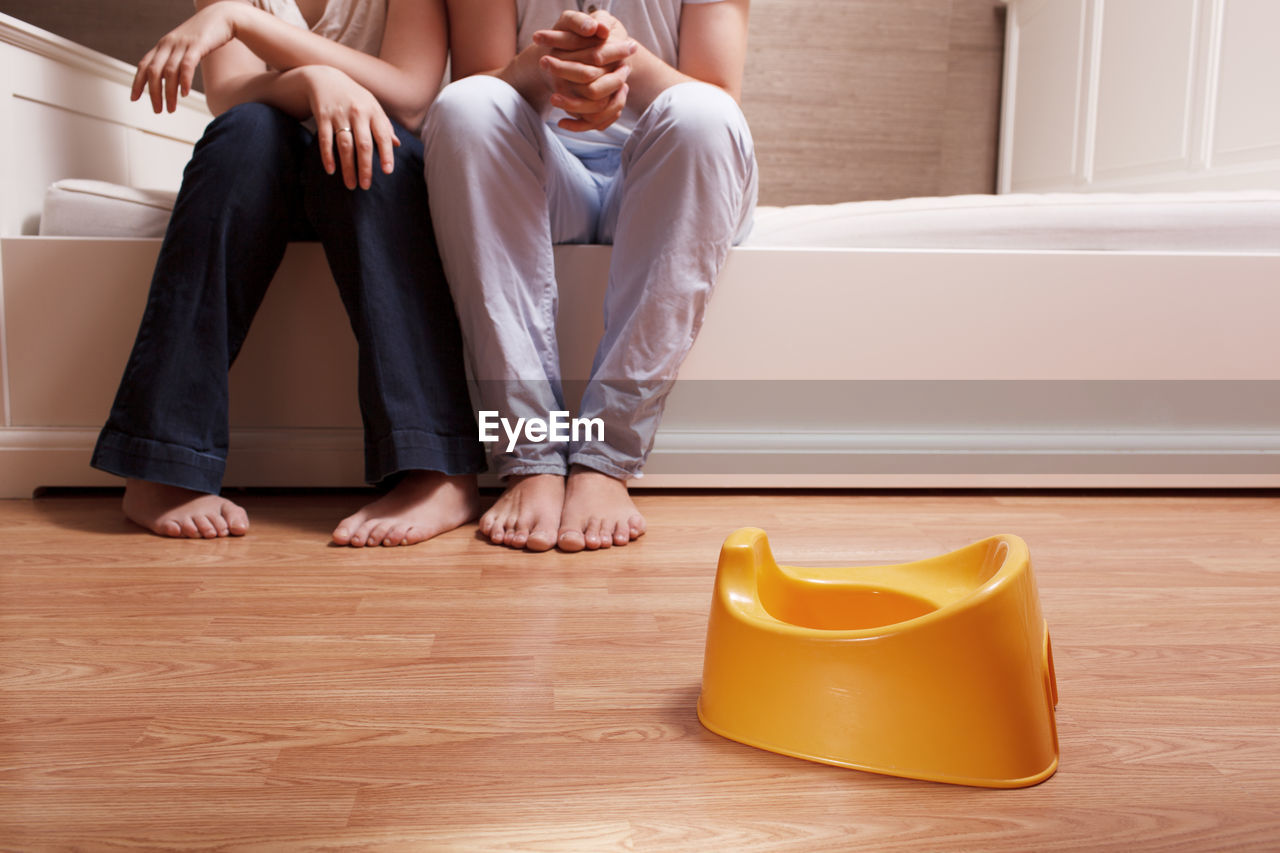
939	669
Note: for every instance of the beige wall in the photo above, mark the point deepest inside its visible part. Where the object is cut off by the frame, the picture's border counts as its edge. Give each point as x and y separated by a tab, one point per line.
848	99
125	29
866	99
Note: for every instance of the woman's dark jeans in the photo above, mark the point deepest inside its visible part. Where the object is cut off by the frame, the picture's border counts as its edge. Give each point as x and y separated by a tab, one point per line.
255	182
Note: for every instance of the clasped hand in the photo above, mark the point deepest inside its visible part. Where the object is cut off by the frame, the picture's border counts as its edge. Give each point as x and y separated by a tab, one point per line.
586	68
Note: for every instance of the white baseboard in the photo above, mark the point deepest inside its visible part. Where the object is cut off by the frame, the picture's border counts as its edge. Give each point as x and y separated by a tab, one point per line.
36	457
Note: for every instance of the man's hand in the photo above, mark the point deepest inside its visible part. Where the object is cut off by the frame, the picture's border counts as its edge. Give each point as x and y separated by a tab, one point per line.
586	68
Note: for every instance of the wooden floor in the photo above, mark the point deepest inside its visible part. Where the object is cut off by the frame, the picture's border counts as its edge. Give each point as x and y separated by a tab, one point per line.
273	693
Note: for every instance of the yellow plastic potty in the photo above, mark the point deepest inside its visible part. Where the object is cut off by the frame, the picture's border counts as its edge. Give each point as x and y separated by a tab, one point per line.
939	669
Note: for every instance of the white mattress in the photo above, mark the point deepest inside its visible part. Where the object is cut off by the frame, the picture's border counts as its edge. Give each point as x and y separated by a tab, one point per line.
83	208
1240	221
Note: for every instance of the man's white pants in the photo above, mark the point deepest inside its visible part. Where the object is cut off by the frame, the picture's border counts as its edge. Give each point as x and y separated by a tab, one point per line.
504	187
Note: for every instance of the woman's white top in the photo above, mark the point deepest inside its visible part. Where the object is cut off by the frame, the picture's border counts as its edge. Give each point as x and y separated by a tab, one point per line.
358	24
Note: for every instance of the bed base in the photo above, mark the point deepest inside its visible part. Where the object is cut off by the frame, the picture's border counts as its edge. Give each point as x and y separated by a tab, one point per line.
848	368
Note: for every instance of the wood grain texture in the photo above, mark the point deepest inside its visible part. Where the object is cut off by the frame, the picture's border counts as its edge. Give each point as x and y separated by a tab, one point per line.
874	99
273	693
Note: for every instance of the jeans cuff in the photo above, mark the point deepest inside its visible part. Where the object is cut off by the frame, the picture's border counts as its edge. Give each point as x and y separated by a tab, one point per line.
412	450
158	462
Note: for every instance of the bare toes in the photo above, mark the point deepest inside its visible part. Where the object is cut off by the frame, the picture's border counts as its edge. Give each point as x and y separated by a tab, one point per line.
361	537
237	520
541	539
571	541
346	529
496	530
592	533
519	537
380	533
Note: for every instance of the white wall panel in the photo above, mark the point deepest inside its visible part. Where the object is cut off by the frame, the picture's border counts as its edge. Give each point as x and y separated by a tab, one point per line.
66	114
1145	81
1248	97
156	162
1046	50
1171	95
54	144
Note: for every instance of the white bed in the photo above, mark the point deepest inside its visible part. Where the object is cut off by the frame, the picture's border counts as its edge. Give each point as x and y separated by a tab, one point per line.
1202	221
1225	221
928	354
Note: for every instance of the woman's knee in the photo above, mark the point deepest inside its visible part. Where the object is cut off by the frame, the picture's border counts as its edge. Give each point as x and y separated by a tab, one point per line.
249	135
253	123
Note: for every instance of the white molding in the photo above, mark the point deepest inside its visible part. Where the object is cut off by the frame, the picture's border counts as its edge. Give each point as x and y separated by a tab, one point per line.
1241	176
30	458
5	419
30	38
926	443
1190	94
1212	81
960	481
1086	139
1008	100
939	457
1024	30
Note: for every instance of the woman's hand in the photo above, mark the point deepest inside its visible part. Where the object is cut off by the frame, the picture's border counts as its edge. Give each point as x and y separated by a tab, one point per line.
169	68
349	118
586	68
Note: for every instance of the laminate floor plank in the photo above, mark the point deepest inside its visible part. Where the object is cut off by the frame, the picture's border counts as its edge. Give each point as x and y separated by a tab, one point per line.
276	693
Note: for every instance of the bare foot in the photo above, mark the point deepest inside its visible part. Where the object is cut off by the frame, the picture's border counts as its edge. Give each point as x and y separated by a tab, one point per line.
598	512
527	513
182	513
423	504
